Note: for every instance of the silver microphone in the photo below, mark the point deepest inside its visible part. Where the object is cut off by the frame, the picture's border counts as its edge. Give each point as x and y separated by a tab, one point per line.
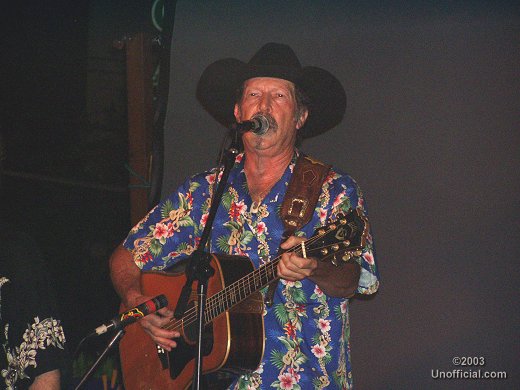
259	125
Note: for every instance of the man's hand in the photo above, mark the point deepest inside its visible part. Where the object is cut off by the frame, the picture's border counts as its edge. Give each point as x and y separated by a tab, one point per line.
293	267
153	325
334	281
126	278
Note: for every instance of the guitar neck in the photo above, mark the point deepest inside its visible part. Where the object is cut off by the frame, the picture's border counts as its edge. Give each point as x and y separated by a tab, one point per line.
338	241
240	290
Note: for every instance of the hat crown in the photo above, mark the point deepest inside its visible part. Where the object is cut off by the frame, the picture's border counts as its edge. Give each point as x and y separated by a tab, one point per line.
276	54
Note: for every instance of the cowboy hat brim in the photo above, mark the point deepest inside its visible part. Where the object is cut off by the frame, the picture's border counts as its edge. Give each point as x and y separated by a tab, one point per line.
220	81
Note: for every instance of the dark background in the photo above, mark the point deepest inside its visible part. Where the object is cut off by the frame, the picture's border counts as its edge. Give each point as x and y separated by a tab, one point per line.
64	128
431	134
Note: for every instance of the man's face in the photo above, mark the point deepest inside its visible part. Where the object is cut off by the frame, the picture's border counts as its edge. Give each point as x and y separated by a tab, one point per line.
273	98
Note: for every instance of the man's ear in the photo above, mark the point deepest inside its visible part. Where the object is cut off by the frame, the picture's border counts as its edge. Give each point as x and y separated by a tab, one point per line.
302	119
237	113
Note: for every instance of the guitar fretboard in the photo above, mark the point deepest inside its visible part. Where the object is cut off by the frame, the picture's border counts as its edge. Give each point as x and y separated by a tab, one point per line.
240	290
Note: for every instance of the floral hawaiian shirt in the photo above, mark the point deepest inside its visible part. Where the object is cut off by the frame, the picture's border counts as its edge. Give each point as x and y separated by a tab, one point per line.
32	337
307	332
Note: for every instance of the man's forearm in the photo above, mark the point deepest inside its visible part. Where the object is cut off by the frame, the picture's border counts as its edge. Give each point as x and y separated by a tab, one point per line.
340	281
47	381
125	275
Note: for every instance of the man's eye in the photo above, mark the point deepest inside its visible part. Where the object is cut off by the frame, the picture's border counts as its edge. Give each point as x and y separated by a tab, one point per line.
280	95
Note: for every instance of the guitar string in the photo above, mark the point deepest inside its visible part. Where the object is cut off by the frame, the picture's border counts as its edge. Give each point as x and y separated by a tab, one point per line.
192	315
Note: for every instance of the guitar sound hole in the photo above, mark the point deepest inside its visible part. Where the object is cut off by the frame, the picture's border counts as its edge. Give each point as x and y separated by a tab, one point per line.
186	346
190	330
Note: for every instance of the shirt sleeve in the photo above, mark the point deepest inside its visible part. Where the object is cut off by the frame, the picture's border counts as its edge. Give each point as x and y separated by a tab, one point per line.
369	278
345	196
171	230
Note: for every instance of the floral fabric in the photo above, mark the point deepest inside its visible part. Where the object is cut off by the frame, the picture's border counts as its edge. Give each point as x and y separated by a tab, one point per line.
307	332
32	337
40	335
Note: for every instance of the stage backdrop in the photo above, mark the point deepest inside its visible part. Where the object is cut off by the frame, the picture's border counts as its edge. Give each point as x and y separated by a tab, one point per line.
431	134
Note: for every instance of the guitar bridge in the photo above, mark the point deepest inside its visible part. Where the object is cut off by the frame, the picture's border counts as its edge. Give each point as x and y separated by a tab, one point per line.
163	356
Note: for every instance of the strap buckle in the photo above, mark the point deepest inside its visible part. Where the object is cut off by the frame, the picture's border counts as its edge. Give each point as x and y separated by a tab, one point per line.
298	207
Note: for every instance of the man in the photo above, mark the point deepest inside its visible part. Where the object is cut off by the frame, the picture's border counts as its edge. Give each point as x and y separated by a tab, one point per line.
33	342
32	337
307	327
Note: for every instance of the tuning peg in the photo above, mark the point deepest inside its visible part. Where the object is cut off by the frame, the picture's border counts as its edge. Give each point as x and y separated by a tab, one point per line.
334	247
324	251
334	261
358	252
346	257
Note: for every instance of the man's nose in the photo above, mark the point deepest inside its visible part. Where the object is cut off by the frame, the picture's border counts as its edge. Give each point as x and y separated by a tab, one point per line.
265	103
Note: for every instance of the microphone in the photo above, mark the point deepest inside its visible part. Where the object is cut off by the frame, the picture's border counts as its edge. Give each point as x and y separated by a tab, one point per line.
132	315
258	125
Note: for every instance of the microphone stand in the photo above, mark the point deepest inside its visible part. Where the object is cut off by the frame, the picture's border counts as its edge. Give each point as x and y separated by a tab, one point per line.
199	268
101	357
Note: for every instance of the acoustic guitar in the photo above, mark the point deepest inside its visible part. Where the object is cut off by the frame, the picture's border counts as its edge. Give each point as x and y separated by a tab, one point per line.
233	341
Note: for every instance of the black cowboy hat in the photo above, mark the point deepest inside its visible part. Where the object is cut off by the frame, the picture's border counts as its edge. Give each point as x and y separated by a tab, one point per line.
218	85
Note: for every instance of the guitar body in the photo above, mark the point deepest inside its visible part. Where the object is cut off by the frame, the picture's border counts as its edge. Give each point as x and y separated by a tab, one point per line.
233	341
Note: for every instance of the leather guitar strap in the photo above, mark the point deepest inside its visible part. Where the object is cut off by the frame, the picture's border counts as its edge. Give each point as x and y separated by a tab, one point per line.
300	201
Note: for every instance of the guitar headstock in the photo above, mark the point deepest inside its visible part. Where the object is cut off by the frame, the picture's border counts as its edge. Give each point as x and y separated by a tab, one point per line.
341	240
